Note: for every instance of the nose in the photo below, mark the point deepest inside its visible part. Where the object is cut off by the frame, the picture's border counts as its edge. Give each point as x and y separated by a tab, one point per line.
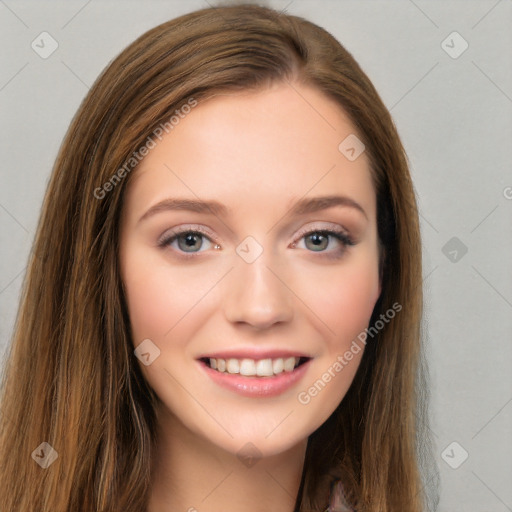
258	295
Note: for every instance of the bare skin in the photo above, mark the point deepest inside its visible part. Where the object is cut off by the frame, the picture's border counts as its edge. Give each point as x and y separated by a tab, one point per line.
257	153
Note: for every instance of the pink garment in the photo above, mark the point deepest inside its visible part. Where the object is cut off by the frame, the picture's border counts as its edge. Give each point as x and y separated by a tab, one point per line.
338	501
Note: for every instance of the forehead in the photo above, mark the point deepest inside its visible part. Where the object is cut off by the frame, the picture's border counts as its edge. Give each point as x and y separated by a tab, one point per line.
256	150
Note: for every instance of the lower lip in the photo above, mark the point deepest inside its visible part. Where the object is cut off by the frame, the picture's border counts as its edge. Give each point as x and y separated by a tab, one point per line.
257	386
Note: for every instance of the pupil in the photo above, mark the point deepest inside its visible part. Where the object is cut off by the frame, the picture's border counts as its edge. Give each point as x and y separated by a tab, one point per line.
190	241
318	239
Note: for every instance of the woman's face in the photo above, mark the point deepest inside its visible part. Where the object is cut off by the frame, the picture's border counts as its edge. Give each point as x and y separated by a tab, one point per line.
258	280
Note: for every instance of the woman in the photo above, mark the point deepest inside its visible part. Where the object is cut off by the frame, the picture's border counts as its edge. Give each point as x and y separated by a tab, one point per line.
276	367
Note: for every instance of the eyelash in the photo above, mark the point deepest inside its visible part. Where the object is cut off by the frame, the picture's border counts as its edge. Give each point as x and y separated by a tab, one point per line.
339	235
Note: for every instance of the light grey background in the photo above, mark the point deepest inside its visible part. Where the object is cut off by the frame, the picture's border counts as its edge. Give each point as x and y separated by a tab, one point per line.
455	118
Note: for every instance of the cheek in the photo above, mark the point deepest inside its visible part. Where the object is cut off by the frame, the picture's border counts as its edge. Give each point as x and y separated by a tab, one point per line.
165	302
150	293
147	304
352	302
342	301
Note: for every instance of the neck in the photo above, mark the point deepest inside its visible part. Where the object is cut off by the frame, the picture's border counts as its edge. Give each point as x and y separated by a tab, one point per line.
192	475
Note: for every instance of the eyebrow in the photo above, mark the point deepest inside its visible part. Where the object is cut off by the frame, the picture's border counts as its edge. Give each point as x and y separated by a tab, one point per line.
315	204
301	207
191	205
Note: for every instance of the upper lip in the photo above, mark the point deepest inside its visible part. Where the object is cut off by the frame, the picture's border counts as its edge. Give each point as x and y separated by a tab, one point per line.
254	354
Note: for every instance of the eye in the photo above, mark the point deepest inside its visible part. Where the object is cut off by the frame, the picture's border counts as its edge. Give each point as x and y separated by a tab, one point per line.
188	240
191	241
317	240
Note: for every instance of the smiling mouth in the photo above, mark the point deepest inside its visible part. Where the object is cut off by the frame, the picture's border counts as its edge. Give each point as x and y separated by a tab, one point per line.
255	367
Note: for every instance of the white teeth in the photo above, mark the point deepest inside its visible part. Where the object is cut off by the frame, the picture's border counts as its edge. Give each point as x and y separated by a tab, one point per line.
250	367
289	364
278	366
233	366
247	367
264	368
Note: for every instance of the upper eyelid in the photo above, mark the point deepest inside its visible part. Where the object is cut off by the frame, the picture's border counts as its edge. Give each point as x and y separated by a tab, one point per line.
208	232
331	227
189	228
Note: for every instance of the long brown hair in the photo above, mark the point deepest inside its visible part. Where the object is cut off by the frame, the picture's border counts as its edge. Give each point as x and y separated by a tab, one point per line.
71	379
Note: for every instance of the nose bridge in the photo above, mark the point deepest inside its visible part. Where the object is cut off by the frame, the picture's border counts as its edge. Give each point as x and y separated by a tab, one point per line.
257	294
